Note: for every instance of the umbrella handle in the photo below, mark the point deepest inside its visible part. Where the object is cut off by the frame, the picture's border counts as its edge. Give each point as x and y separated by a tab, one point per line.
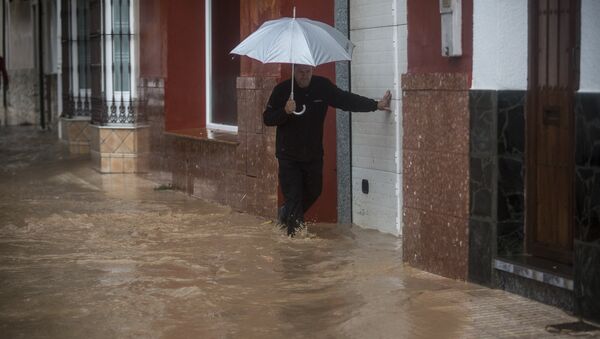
301	112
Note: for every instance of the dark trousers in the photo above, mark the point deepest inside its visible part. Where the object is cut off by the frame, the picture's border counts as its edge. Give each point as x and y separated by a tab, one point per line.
301	183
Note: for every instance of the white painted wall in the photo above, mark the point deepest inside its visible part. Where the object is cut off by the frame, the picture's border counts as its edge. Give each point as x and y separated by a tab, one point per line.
590	46
379	31
23	90
500	48
20	49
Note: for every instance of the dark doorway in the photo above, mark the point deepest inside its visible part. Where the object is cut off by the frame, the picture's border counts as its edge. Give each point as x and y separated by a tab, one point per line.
553	81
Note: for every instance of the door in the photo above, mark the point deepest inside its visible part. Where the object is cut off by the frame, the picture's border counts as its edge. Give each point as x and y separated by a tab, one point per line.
550	126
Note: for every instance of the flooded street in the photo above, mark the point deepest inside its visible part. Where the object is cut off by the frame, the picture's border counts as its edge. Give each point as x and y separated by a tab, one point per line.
85	255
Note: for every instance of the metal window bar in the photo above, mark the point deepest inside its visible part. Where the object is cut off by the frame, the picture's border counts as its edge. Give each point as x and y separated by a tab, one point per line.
79	31
67	37
86	70
72	66
100	116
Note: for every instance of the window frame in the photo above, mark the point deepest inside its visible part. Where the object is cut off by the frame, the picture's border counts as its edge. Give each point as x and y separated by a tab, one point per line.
208	73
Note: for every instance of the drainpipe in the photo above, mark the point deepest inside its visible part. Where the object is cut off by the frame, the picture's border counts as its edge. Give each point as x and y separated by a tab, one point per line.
4	56
41	63
59	80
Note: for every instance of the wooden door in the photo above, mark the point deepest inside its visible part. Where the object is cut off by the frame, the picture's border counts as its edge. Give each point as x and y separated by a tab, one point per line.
553	79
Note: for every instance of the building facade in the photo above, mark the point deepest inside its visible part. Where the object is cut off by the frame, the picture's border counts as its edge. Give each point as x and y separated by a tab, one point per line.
499	156
229	157
486	167
93	68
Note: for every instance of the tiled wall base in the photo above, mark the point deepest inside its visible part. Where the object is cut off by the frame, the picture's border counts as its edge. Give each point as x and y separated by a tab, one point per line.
587	167
532	289
76	133
497	144
587	280
119	163
534	274
587	201
119	150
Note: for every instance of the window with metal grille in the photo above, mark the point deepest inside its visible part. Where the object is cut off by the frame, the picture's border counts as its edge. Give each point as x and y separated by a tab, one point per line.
79	58
118	59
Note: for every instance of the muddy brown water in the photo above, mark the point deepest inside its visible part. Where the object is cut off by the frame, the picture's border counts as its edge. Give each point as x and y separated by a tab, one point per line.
85	255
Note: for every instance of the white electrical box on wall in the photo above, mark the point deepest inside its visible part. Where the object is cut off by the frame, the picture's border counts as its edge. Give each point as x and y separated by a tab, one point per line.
451	16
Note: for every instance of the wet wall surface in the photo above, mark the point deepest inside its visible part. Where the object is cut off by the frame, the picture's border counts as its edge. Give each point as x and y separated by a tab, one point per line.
435	173
85	255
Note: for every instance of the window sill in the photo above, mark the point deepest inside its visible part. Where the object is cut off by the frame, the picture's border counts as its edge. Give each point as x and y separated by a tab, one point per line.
224	137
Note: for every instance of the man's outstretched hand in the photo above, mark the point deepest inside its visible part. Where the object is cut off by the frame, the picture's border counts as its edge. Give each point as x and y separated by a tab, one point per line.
384	103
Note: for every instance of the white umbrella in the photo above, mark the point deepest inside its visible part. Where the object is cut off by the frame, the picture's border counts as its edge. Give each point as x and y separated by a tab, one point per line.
296	41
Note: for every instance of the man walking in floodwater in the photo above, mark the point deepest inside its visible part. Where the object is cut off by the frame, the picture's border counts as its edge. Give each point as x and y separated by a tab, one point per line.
299	141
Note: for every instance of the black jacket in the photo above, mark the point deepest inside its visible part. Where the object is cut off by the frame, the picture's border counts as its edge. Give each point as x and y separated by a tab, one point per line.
300	137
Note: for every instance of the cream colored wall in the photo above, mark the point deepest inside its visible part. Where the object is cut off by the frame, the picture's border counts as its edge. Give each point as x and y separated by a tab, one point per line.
22	96
378	28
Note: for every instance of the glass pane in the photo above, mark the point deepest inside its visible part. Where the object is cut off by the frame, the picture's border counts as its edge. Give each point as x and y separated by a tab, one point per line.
225	69
83	51
121	62
121	46
121	17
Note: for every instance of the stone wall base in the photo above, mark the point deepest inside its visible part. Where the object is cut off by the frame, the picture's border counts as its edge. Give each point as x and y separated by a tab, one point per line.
76	134
119	149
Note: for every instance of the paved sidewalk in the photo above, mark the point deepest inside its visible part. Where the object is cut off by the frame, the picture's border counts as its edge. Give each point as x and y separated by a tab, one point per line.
85	255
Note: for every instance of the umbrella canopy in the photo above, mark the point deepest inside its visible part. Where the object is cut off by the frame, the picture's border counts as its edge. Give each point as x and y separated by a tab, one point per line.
296	41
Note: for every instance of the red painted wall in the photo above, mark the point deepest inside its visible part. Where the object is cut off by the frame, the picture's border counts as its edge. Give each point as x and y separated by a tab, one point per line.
254	13
424	39
153	39
184	88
